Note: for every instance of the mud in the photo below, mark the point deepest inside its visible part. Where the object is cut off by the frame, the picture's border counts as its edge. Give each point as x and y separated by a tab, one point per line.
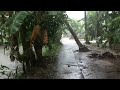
70	64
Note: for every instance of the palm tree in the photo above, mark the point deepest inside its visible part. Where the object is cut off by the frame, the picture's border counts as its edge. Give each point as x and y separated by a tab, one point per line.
86	31
81	47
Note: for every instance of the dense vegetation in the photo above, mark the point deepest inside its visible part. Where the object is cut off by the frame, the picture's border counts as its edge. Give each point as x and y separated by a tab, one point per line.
43	31
19	27
102	26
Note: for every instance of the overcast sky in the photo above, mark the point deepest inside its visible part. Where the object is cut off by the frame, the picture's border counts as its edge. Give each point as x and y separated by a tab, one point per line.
75	14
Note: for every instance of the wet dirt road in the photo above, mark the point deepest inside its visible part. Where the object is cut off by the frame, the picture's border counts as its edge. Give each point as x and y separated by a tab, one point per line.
66	65
77	65
72	65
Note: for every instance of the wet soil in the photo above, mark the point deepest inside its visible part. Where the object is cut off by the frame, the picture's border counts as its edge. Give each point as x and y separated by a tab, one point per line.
70	64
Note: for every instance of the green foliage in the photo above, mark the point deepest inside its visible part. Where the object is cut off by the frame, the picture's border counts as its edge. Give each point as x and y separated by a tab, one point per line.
53	21
51	52
17	21
45	50
108	25
24	21
78	27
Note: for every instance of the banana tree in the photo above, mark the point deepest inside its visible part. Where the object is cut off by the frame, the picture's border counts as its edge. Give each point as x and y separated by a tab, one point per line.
17	28
22	26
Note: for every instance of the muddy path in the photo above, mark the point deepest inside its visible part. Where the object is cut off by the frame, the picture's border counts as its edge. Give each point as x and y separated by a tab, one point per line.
77	65
64	67
70	64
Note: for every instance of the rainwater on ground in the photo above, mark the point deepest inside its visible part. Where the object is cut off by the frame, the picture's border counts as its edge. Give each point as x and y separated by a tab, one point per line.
71	64
5	60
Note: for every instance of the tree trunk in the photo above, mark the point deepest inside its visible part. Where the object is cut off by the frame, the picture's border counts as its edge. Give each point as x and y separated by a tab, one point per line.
23	34
81	47
111	39
110	42
86	31
106	28
29	55
1	37
38	49
97	23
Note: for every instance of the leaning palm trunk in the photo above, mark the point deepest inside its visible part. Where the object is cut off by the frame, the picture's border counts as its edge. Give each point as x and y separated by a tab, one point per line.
81	47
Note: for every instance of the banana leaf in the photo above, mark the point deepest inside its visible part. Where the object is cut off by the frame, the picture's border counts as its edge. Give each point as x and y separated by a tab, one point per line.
17	21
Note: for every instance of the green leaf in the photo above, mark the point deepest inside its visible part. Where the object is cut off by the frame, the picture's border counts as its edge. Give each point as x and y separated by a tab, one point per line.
18	20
